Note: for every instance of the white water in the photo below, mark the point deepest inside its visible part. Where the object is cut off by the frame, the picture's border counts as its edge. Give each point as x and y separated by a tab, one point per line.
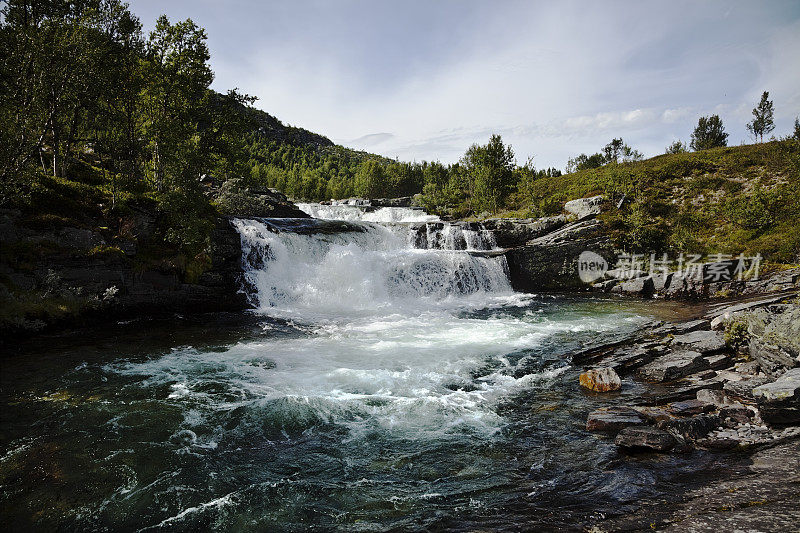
387	336
353	213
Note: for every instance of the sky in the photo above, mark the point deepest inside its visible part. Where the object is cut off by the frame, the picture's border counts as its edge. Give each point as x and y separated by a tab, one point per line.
423	80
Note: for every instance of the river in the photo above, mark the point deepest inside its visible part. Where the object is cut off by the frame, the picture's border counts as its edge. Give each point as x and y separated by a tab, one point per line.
388	378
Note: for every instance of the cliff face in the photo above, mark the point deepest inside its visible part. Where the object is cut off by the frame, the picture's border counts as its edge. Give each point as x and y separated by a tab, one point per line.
66	275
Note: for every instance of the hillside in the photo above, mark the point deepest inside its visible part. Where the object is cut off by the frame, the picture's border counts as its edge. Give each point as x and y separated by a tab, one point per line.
739	199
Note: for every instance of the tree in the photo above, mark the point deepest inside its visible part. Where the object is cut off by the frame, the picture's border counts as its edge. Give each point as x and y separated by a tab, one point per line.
489	169
762	122
677	147
797	128
709	133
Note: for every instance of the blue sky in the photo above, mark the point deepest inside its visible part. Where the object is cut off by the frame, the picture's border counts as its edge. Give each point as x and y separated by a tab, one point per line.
425	79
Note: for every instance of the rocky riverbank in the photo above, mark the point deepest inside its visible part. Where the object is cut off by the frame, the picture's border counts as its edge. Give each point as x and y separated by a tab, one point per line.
726	381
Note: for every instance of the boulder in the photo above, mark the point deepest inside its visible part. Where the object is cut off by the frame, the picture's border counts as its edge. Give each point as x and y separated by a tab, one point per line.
686	287
624	273
550	262
645	438
704	342
600	380
614	418
674	365
639	287
584	207
772	359
713	397
779	401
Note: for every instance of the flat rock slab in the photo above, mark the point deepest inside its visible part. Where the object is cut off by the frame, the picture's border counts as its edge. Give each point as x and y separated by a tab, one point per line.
614	418
674	365
645	438
705	342
690	407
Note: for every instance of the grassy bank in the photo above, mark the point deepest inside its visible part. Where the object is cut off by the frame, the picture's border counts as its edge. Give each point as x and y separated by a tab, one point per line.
741	199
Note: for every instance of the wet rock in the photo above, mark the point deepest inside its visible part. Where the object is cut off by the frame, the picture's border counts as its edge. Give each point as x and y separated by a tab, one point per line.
613	418
779	401
674	365
600	380
690	407
704	342
645	438
584	207
692	428
654	414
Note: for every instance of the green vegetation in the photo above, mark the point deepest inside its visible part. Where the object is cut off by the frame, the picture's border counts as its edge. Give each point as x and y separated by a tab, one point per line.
762	122
728	200
709	133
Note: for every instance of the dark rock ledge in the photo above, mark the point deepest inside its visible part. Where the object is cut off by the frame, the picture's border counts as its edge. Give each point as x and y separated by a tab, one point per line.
734	387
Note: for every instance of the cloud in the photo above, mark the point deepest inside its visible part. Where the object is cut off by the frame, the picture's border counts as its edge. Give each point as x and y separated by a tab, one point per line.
555	79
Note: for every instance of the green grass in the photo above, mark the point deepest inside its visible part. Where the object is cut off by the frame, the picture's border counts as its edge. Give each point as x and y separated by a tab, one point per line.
741	199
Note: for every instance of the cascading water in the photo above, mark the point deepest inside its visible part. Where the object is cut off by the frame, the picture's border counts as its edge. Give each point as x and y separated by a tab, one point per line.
394	381
364	266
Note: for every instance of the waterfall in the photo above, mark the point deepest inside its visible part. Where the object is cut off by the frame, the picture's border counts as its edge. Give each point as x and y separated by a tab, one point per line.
310	266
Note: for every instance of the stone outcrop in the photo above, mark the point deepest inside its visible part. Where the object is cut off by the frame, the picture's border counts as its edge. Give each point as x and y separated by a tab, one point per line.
550	262
779	401
583	208
235	199
511	232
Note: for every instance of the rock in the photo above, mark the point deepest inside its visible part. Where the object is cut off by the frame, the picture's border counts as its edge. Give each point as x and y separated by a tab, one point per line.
511	232
624	273
704	342
679	328
629	358
674	365
686	286
584	207
737	413
779	401
639	287
743	389
654	414
773	360
613	418
645	438
690	407
718	361
713	397
605	286
402	201
550	262
692	428
236	199
600	380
